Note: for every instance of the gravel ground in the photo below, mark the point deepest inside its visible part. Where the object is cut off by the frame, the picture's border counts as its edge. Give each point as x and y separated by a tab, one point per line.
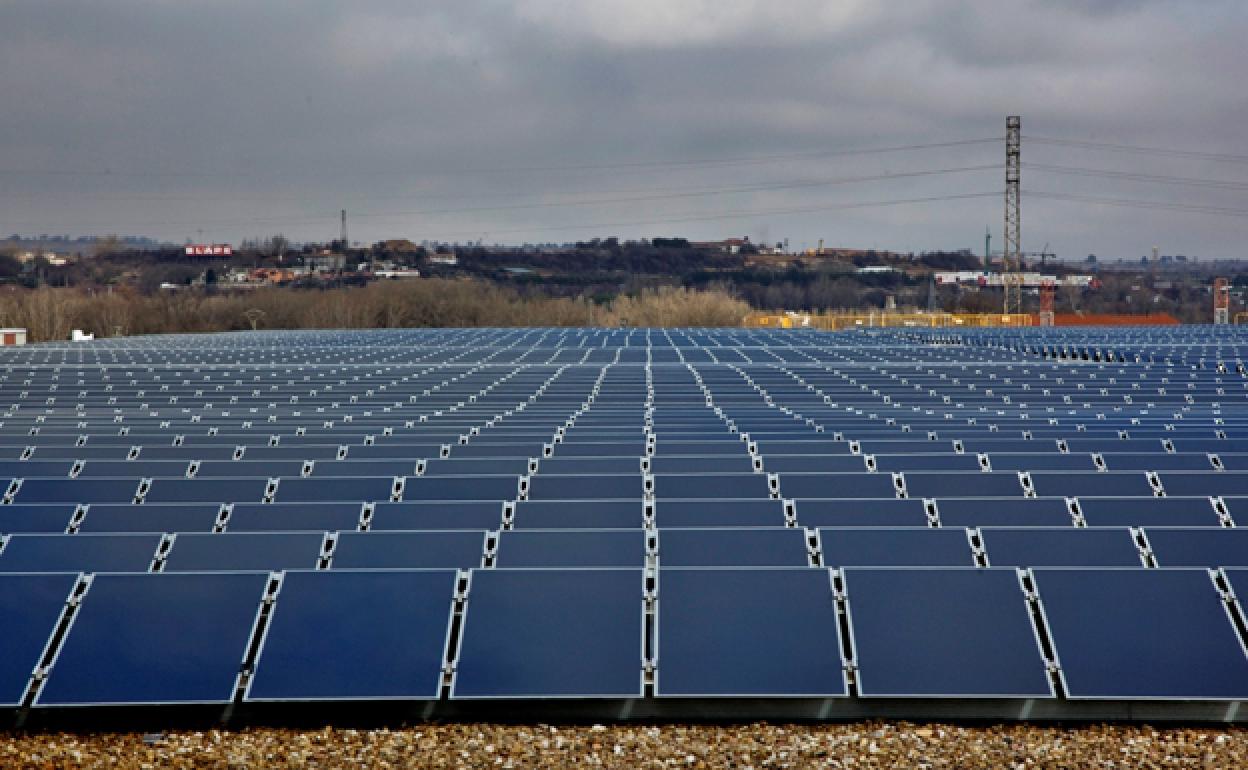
855	745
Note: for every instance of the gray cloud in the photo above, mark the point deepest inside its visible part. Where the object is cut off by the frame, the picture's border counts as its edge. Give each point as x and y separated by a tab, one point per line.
245	119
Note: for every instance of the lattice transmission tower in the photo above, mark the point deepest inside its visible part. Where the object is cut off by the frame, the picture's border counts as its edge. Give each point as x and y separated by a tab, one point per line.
1011	256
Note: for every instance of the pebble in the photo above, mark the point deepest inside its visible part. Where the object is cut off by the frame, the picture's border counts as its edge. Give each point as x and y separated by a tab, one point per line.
839	745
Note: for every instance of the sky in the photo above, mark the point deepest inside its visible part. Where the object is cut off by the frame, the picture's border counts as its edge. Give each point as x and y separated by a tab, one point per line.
865	124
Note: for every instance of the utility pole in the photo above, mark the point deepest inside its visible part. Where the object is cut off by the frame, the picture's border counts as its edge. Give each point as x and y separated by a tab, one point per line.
1011	255
987	246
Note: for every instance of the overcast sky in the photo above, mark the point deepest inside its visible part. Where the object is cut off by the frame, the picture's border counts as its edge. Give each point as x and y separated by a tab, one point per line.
552	120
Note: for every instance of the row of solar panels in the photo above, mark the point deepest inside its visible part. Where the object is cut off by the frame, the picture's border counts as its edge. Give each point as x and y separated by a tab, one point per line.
370	635
317	516
270	464
588	487
673	547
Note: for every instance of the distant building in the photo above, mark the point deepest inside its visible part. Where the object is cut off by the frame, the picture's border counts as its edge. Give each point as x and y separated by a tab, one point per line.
12	336
728	245
209	250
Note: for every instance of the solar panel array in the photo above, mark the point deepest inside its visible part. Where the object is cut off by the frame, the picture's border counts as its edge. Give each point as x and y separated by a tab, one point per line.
1023	520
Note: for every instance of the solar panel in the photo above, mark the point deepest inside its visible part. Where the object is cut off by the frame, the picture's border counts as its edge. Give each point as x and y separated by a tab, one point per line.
985	511
574	514
861	513
409	550
30	607
156	639
46	519
571	548
79	553
748	633
479	515
1149	511
838	485
346	489
552	634
1142	634
112	517
999	484
461	488
192	552
1207	547
870	547
712	486
943	633
594	487
733	548
205	491
356	635
77	491
1084	547
293	517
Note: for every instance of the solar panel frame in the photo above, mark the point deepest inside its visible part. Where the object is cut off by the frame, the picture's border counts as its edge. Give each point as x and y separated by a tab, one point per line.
260	689
698	653
467	650
90	661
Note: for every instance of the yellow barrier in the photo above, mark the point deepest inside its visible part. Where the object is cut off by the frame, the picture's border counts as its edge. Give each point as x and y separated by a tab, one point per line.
835	321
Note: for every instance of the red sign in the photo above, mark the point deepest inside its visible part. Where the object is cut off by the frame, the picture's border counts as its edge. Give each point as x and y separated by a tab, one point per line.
209	250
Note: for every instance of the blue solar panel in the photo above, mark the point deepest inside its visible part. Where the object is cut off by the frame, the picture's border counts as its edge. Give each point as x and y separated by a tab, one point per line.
461	488
1000	484
112	517
79	553
1137	633
1210	483
46	519
293	517
436	515
571	548
409	550
712	486
733	548
347	489
77	491
619	487
206	491
1084	547
30	606
720	513
250	551
156	639
866	547
1029	512
943	633
551	634
861	513
1081	485
837	485
1207	547
1149	511
356	635
748	633
579	514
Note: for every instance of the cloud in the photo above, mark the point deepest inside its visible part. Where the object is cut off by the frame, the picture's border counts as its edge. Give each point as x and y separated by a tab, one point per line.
255	118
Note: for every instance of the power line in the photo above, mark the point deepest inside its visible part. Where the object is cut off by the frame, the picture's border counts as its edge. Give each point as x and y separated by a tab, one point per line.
637	223
657	164
739	214
763	187
1138	177
670	196
1194	208
1131	148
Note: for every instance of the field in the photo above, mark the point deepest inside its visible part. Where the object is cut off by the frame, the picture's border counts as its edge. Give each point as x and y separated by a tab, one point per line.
569	525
